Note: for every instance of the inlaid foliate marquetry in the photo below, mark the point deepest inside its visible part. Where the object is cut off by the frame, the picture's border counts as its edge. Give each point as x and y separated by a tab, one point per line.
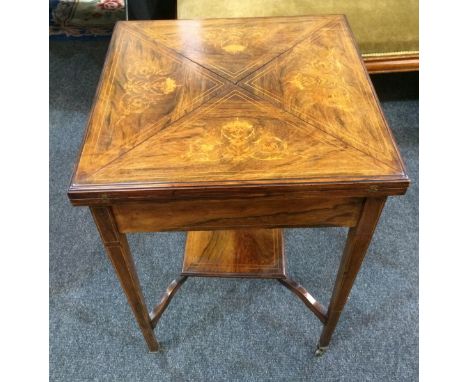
223	103
233	48
258	141
144	88
319	81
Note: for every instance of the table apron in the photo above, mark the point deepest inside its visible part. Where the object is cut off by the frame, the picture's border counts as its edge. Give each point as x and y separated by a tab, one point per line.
256	212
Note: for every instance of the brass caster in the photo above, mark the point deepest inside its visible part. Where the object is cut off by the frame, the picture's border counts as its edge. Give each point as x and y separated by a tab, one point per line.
320	350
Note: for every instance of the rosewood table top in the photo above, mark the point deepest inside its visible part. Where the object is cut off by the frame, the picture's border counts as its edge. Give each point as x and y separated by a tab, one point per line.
187	107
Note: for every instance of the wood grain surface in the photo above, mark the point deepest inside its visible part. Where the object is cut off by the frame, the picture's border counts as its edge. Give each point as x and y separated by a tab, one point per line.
255	253
392	63
259	212
226	104
119	254
359	239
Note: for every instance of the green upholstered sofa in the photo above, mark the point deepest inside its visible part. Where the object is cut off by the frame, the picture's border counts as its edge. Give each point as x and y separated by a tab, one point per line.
387	31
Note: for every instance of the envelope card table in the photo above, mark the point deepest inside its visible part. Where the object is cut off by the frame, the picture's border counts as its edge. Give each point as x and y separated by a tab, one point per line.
233	129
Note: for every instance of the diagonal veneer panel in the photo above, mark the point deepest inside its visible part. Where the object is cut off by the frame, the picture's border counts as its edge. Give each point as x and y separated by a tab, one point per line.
232	49
320	81
240	137
146	88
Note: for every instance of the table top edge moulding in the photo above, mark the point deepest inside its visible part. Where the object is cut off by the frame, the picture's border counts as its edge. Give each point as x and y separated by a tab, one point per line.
345	155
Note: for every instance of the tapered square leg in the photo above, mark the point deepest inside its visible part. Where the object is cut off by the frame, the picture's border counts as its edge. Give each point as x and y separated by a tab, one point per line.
359	238
121	258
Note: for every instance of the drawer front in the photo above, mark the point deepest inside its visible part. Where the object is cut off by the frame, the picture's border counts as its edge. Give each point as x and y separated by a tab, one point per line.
267	212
